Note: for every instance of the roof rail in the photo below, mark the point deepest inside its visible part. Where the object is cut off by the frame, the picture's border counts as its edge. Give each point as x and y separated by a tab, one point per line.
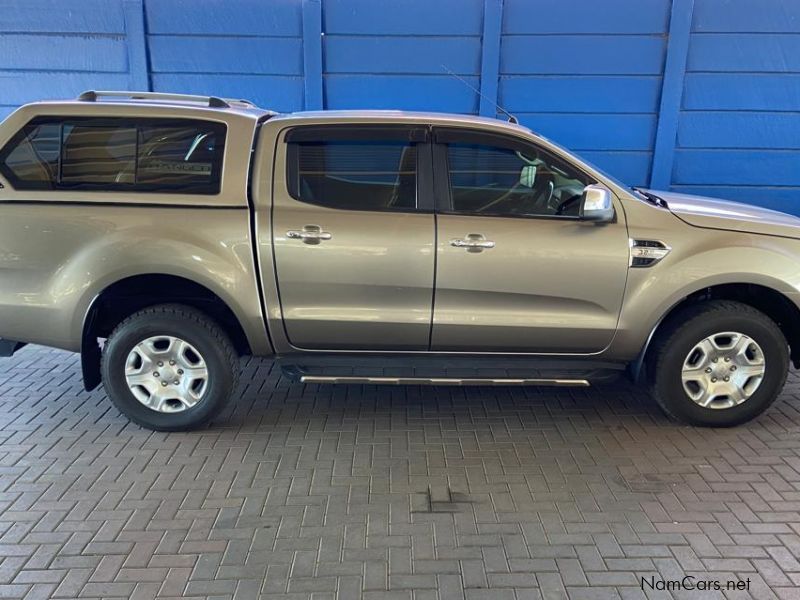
211	101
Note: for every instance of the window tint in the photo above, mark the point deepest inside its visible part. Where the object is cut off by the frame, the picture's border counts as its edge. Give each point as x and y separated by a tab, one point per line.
354	174
177	155
503	181
97	155
146	155
33	155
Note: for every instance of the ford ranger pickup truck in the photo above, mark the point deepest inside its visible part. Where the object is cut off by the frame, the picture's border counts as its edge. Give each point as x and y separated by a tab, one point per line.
164	236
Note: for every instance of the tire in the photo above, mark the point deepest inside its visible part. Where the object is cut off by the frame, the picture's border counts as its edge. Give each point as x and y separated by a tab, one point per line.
139	340
682	335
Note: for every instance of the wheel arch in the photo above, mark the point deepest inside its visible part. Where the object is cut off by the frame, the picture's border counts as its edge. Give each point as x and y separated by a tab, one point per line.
773	303
128	295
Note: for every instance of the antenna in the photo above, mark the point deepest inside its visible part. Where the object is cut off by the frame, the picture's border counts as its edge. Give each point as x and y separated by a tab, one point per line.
500	109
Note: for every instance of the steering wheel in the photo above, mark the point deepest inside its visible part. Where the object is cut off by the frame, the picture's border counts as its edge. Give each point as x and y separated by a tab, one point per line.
505	196
569	204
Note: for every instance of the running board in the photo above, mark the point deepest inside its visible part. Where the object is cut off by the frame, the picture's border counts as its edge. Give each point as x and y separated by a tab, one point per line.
445	369
333	379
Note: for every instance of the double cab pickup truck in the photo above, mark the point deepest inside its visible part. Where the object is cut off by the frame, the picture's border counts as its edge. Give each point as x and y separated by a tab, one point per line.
164	236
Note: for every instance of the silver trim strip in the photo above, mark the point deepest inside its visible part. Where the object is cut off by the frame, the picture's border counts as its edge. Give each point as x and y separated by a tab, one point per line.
439	380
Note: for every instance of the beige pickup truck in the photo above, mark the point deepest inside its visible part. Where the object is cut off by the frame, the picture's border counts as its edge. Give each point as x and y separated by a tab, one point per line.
164	236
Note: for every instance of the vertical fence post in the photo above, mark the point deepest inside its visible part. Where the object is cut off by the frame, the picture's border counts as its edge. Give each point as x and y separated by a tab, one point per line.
136	43
312	54
490	56
680	25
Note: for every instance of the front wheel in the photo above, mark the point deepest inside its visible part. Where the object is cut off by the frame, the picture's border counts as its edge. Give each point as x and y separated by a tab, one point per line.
718	364
169	368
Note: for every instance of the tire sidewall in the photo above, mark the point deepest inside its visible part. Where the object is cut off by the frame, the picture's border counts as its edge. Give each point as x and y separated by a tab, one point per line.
135	331
668	371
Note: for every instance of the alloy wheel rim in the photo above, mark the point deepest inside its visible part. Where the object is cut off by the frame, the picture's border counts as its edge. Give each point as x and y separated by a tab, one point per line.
723	370
166	374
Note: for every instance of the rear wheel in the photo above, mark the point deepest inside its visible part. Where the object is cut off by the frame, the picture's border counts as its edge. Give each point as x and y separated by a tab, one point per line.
169	368
718	364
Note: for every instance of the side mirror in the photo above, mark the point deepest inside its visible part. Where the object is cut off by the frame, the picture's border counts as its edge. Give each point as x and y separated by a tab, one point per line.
596	204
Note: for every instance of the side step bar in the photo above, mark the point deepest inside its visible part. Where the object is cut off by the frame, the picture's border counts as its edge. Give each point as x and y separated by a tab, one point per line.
445	370
332	379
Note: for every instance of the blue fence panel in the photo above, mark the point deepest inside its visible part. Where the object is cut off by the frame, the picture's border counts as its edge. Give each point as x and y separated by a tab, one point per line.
588	74
745	52
636	17
97	17
248	49
733	129
400	54
741	16
739	128
50	50
711	106
403	17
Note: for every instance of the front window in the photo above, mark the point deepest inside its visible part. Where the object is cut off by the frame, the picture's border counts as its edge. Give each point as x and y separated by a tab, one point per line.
511	179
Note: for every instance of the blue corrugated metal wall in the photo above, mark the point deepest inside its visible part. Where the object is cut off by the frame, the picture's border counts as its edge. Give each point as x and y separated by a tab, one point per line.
588	74
739	123
699	95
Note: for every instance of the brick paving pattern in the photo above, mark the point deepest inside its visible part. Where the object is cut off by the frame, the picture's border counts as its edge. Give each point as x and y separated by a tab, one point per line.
419	493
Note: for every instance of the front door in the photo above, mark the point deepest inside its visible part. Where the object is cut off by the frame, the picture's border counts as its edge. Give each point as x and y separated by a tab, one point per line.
517	269
353	233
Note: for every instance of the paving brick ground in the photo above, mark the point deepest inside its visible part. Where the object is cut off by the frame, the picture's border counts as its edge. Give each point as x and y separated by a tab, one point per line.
388	493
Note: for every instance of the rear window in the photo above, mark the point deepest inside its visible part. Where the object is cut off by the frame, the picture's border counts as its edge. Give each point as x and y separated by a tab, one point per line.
141	155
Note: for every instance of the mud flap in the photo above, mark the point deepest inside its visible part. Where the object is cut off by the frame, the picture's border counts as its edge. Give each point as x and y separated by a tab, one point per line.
8	347
90	364
90	354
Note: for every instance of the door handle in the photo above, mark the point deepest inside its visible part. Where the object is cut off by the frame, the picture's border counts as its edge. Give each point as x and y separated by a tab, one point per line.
482	244
310	234
473	242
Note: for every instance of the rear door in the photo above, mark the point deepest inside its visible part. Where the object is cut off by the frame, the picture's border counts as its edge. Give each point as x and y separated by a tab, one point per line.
353	233
517	269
